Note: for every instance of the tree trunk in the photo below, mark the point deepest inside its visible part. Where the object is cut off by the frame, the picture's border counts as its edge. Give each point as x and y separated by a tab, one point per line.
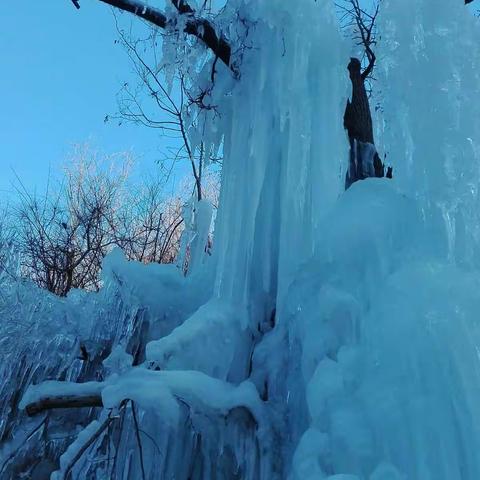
364	160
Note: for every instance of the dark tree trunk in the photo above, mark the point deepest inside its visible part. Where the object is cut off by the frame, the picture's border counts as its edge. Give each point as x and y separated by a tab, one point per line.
358	119
364	160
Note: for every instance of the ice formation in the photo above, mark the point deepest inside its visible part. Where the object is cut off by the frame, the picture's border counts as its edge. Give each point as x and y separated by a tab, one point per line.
331	335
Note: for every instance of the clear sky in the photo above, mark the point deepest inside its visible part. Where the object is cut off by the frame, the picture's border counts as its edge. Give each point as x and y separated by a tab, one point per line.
58	78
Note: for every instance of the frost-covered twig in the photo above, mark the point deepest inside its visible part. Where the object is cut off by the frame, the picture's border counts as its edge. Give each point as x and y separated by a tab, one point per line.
172	110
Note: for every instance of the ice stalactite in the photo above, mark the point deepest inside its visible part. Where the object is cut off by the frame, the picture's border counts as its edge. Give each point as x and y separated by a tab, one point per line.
285	147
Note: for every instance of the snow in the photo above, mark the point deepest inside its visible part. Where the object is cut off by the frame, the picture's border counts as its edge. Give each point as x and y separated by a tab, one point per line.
118	361
53	388
214	328
159	391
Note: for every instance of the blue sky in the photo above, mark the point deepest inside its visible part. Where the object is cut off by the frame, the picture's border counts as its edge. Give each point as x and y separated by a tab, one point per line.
60	72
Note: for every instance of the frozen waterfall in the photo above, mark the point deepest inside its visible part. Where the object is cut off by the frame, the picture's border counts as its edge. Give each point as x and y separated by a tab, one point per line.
331	335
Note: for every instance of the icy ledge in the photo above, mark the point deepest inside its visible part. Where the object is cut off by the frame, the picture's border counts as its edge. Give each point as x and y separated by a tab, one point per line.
160	392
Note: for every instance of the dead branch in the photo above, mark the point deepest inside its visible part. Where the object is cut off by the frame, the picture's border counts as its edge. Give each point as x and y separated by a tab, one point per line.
172	110
51	402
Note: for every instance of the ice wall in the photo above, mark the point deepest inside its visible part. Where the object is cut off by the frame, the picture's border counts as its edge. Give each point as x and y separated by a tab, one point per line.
284	147
383	348
383	320
428	71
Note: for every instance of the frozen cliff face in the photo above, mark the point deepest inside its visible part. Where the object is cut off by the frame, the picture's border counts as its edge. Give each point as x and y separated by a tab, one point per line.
384	317
386	302
383	334
428	71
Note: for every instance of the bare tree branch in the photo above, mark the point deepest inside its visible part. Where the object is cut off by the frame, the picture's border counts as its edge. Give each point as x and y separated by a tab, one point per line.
198	27
361	24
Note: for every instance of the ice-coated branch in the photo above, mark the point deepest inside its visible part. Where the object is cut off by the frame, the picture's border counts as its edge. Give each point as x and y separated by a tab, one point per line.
205	31
198	27
140	9
85	439
50	395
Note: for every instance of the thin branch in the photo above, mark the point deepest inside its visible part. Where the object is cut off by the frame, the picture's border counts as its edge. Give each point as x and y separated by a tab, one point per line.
361	24
139	440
